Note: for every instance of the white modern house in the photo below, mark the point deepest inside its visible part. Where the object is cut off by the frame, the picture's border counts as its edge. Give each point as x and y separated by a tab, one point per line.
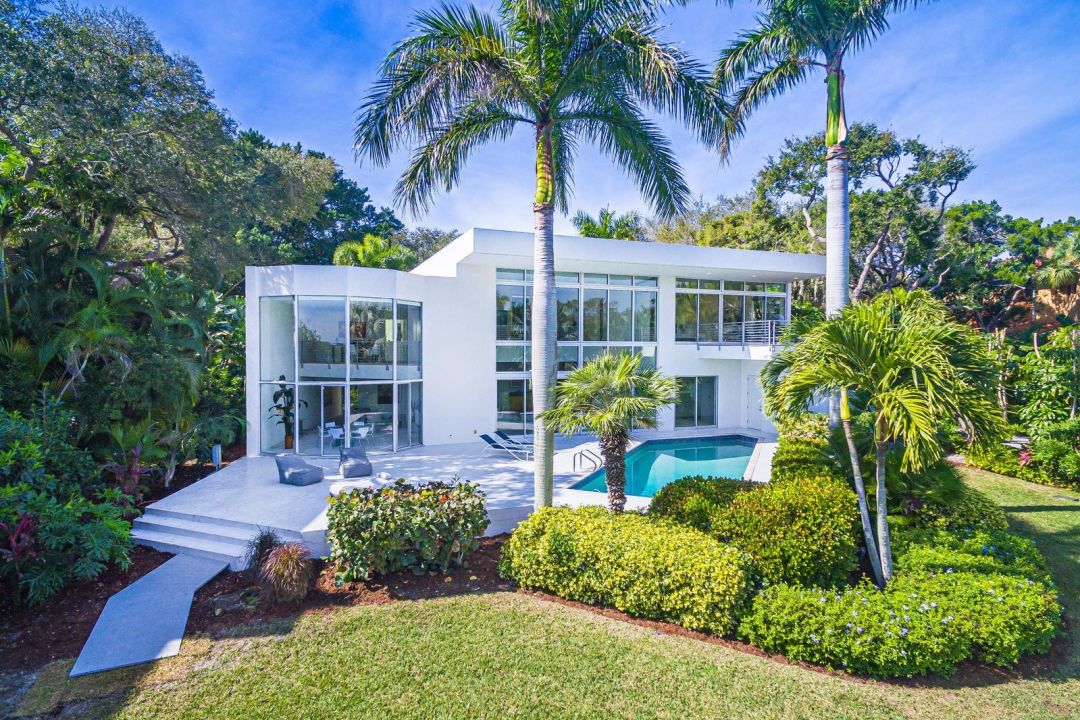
416	365
440	354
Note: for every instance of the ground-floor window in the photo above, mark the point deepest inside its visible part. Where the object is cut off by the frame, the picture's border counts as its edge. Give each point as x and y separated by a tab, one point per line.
322	418
696	406
514	407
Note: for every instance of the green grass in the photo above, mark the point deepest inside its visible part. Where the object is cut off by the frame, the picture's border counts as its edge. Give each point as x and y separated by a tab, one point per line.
507	655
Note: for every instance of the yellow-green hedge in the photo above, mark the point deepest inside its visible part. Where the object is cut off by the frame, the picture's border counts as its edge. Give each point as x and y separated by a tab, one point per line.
640	566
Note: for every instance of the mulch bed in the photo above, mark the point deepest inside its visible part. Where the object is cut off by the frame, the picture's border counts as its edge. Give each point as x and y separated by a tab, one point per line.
191	472
58	627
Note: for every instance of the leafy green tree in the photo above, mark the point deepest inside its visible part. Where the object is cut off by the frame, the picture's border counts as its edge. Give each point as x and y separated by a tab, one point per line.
1061	267
374	252
424	242
627	226
791	40
916	369
567	72
608	396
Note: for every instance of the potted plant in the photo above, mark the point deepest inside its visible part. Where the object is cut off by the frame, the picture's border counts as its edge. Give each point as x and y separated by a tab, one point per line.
284	407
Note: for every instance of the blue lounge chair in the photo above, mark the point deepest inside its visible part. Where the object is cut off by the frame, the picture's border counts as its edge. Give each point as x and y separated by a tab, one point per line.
519	452
516	442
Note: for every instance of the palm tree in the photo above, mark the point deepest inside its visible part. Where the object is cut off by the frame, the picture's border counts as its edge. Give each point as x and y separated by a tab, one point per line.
608	396
1060	268
792	38
567	70
374	252
918	371
609	225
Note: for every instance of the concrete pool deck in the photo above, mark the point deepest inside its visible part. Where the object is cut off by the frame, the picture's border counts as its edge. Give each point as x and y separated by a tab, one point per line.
216	516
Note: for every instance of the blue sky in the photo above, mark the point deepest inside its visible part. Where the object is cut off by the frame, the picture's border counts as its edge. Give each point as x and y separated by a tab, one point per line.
998	77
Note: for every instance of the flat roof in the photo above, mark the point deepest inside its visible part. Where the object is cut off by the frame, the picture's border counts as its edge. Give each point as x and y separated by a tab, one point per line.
505	248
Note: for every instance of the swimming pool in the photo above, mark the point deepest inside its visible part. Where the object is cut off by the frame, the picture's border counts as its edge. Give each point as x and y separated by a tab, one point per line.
655	463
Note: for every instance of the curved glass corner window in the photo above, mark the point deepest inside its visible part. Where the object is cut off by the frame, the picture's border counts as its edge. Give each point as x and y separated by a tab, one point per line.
277	350
371	340
321	329
409	341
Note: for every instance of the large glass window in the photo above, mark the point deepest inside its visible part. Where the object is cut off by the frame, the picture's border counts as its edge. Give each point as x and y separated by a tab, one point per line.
733	317
321	331
696	404
409	409
566	313
686	315
620	314
710	311
595	315
277	409
371	340
566	358
409	341
708	318
644	317
510	312
514	406
371	415
277	329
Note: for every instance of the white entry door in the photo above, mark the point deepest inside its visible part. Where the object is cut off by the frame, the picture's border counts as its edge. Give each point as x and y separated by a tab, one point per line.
755	417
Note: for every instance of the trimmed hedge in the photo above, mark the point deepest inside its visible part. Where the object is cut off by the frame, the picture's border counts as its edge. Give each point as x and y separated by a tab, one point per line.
642	567
949	601
803	530
971	511
695	501
429	526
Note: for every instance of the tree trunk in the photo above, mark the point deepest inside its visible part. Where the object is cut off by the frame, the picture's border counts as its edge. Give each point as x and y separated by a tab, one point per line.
543	317
884	542
860	492
837	214
613	448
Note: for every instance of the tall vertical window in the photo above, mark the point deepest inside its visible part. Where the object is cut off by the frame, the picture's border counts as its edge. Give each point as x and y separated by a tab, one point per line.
277	348
566	313
409	341
696	404
321	331
371	339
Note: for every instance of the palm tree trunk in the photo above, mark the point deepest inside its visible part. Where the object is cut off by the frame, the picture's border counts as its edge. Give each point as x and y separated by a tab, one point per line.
613	449
837	214
884	542
543	316
860	493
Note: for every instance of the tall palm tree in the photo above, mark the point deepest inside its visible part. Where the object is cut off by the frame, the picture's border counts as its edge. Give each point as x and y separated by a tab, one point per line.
567	70
791	40
607	224
607	396
918	371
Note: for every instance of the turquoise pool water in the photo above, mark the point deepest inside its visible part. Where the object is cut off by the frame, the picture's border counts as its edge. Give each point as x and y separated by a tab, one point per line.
655	463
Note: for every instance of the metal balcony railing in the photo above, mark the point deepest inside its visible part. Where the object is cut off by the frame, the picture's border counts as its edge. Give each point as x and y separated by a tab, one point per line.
751	332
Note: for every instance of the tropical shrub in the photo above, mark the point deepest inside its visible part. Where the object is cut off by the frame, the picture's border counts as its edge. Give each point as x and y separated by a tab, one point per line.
641	566
1000	459
983	595
802	531
285	574
46	542
421	527
39	452
800	457
971	510
1055	454
696	500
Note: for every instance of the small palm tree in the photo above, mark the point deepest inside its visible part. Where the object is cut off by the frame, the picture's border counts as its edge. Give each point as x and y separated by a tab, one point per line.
568	71
374	252
791	40
607	224
608	396
918	371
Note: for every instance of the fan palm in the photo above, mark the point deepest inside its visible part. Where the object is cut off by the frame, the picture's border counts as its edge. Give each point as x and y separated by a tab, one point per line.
568	71
607	396
918	371
1061	268
791	40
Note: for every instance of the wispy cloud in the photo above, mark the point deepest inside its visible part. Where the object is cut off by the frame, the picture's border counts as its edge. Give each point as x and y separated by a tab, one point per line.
996	78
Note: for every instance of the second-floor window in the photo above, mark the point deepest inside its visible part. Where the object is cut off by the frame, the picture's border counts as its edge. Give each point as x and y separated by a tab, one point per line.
728	311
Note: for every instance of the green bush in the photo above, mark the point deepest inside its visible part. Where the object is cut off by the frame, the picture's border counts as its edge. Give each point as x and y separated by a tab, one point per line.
982	595
641	566
1001	459
799	457
695	501
48	542
39	453
971	511
802	531
423	527
1054	455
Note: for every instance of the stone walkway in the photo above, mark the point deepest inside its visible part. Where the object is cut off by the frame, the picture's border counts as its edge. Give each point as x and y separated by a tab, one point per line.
145	621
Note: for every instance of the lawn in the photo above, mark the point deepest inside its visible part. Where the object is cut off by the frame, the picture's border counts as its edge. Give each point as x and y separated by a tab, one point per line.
501	655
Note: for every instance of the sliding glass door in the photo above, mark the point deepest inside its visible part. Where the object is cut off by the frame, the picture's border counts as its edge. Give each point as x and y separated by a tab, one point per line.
696	404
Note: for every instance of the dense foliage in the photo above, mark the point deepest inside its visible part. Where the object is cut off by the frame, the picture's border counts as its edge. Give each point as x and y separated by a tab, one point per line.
953	598
640	566
430	526
695	501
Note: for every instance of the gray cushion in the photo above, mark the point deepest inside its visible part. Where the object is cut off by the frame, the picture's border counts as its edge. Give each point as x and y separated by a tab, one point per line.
294	470
354	463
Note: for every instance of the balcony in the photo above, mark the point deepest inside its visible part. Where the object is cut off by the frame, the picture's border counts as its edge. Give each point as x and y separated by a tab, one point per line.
745	334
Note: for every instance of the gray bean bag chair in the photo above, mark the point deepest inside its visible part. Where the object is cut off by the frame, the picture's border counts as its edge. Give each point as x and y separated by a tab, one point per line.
354	462
294	470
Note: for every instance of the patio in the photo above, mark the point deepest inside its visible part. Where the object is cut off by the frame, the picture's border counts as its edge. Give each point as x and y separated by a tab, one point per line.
216	516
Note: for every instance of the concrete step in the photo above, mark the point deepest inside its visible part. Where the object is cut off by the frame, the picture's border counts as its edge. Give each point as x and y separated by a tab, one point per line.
193	528
227	550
